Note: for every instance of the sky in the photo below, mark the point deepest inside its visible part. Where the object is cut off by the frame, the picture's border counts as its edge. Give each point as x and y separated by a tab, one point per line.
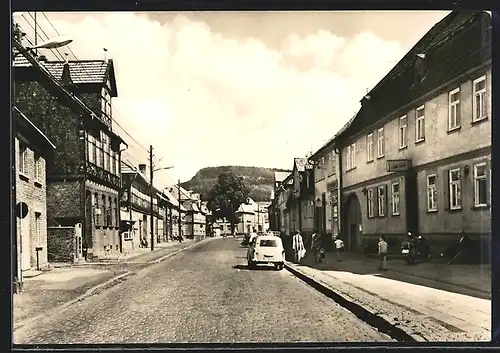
234	88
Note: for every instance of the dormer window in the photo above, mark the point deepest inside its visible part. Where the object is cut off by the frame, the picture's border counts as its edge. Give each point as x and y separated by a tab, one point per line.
420	68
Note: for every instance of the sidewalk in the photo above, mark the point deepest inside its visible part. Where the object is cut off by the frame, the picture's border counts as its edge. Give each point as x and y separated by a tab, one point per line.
472	280
426	313
47	290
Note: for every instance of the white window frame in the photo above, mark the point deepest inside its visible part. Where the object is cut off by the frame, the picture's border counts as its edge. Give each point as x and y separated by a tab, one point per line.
482	94
38	168
348	158
369	147
371	208
381	200
420	125
23	156
395	197
478	179
380	143
453	110
432	189
455	185
353	155
403	128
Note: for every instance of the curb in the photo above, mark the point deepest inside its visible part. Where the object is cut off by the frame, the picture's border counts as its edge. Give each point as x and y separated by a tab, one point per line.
361	313
88	293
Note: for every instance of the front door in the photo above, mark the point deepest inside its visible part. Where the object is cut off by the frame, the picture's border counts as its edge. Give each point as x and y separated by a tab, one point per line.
25	243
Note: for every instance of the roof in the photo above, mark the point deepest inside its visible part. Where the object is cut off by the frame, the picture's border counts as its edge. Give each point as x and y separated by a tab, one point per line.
244	208
280	176
81	71
331	141
452	48
300	163
22	119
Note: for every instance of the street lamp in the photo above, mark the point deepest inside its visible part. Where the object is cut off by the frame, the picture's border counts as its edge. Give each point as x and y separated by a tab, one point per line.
52	43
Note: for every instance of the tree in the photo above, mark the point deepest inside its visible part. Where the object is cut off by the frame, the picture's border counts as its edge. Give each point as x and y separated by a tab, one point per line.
227	195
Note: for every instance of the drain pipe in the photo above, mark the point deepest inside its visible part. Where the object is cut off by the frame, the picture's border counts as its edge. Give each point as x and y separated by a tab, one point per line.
340	209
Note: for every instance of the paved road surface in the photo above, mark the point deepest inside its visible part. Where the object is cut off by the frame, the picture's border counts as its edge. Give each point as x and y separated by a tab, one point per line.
204	294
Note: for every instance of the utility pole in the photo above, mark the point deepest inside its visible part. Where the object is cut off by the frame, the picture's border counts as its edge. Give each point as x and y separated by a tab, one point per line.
151	195
179	199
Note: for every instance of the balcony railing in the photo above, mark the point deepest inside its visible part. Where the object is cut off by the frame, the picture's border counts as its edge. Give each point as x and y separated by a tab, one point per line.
103	175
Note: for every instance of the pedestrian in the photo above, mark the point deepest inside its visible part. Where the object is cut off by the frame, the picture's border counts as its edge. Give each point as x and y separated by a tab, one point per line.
382	253
298	247
339	244
316	245
253	235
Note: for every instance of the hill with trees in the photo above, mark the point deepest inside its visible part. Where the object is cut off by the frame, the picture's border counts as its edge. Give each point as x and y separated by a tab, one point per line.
259	179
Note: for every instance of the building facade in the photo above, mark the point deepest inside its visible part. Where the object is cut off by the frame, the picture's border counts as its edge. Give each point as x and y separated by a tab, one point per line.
71	104
32	149
421	161
326	190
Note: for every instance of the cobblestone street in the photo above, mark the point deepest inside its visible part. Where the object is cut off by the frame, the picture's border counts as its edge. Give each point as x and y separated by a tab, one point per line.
203	294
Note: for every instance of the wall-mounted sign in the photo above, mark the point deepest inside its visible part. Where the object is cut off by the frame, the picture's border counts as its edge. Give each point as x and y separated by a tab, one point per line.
309	166
21	210
398	165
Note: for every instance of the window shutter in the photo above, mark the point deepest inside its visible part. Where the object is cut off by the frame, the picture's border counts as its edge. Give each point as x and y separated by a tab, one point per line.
375	201
389	199
488	185
446	189
368	204
386	200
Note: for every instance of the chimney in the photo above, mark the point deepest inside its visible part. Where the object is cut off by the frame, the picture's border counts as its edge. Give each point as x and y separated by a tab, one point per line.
142	168
105	54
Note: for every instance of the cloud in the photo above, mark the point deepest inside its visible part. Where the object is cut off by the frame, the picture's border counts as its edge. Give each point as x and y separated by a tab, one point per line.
202	99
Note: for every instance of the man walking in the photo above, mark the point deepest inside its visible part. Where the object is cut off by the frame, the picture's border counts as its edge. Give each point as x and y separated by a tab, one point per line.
339	244
316	246
298	247
382	253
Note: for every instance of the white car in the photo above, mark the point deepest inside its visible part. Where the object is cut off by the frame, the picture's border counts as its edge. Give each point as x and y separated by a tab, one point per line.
266	249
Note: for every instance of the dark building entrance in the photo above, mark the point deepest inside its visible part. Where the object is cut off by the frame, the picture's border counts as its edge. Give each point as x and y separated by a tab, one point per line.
352	223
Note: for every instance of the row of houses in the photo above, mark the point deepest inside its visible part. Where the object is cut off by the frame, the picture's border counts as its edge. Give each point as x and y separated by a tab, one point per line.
75	197
416	157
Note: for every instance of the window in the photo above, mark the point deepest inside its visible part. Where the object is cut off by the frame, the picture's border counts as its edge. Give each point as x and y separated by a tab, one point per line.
38	168
381	200
431	193
91	148
97	210
351	156
98	155
420	124
268	243
105	102
369	196
380	142
110	213
23	158
455	189
38	227
454	110
479	99
403	124
395	199
480	185
332	163
369	147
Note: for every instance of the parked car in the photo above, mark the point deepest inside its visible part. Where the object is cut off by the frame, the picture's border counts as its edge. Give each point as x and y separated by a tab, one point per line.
266	249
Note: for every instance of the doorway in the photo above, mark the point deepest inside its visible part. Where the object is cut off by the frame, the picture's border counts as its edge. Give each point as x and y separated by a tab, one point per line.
352	223
25	243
